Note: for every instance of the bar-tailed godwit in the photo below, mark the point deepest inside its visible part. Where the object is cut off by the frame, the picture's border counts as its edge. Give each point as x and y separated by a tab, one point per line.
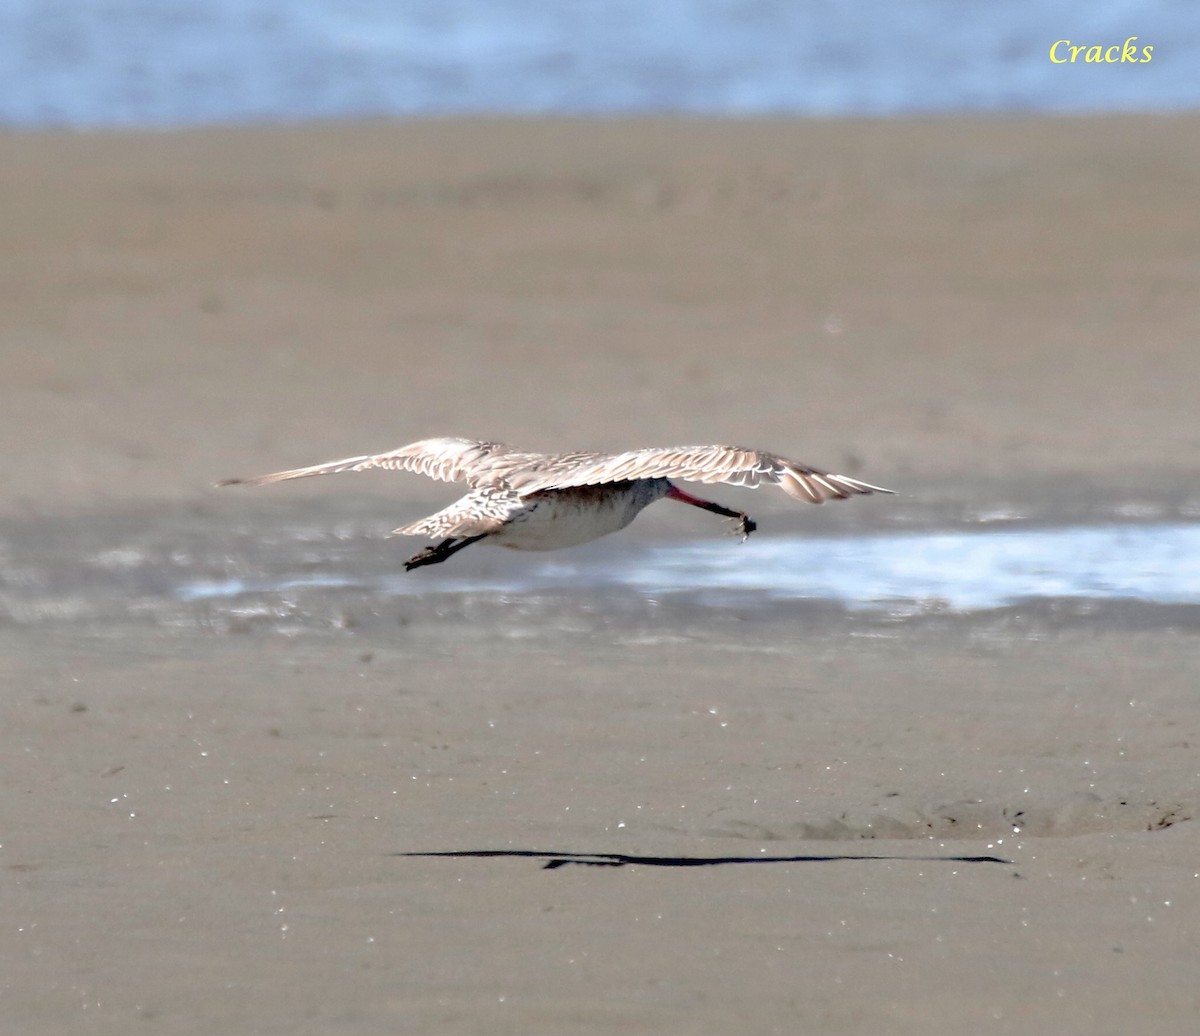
543	501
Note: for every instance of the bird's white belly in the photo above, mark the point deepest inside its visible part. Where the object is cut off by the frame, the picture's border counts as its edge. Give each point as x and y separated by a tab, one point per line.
566	519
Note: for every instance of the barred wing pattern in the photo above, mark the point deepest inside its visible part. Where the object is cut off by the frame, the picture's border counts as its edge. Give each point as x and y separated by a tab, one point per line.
509	471
729	464
481	511
448	460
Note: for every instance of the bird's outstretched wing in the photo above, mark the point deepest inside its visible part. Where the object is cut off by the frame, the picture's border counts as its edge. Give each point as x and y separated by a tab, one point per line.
731	464
448	460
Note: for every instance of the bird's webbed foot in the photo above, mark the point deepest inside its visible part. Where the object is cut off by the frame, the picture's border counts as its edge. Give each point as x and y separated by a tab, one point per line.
428	556
438	552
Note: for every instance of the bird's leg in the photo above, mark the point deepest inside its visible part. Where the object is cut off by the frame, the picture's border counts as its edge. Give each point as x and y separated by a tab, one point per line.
438	553
746	524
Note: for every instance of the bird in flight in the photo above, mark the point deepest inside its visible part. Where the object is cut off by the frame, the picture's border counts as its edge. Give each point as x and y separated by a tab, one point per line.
543	501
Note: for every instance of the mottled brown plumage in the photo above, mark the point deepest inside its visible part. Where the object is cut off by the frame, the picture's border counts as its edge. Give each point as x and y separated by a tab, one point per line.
542	501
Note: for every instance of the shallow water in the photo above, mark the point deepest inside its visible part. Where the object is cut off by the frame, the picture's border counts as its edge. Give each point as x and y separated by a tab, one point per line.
101	63
960	572
199	570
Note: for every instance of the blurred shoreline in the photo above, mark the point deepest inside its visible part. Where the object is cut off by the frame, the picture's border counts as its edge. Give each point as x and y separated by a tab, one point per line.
222	62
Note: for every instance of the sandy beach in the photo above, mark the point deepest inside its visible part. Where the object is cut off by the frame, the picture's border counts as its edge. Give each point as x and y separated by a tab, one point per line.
566	814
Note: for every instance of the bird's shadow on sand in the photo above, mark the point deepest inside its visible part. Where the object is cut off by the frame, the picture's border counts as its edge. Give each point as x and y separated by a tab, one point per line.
556	860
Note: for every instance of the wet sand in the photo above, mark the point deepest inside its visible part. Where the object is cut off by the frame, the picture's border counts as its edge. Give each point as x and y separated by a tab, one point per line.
209	824
211	834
